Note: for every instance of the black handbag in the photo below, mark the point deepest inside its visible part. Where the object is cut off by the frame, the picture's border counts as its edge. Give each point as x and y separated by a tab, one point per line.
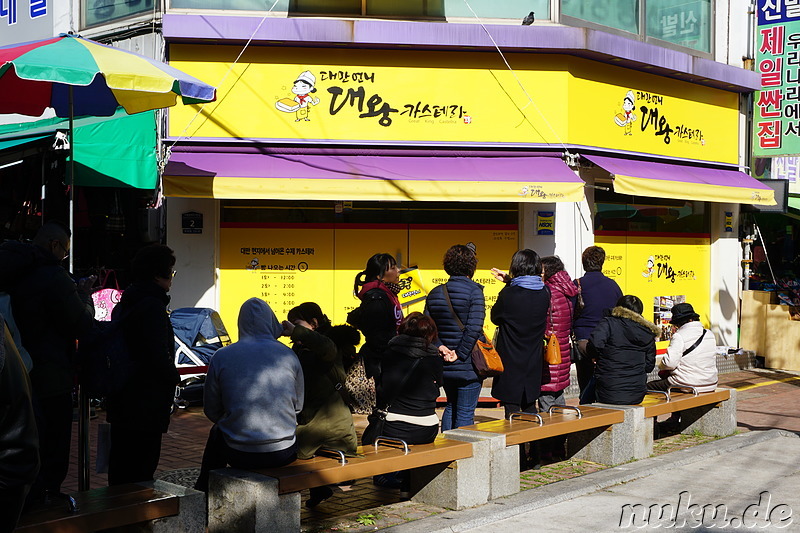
377	418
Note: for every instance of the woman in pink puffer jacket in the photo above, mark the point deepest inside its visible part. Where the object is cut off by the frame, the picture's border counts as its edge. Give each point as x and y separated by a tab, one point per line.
555	378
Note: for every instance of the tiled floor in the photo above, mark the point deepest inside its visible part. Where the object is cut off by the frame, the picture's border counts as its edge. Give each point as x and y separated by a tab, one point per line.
351	506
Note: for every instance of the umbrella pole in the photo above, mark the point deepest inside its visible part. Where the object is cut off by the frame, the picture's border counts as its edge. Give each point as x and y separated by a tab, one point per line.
83	398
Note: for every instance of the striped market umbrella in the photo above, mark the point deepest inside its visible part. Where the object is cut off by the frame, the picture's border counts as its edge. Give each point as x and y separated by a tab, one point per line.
80	77
41	74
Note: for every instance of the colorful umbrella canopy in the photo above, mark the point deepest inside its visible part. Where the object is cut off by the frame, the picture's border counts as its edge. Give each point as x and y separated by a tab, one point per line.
38	74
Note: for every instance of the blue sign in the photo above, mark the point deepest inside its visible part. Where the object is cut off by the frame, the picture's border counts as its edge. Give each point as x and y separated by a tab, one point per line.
546	223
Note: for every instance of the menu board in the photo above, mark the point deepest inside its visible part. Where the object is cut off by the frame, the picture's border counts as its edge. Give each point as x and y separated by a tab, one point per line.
284	267
288	266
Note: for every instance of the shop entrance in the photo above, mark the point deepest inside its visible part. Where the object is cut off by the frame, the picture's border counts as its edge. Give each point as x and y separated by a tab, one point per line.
291	252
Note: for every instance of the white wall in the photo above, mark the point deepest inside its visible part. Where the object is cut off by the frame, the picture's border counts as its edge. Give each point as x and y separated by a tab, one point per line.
195	282
731	31
573	232
726	256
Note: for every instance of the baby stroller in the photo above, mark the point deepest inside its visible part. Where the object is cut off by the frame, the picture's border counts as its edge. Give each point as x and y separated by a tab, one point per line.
199	332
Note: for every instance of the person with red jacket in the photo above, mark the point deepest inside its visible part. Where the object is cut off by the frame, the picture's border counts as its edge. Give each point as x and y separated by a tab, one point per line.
555	378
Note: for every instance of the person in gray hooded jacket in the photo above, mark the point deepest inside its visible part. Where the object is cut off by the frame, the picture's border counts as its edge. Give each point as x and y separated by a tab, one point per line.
253	394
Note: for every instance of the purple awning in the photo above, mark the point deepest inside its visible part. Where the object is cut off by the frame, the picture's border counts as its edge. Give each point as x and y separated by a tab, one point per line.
683	182
358	177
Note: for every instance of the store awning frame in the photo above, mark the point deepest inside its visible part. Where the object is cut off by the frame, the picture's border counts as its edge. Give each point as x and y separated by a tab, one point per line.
540	178
117	151
683	182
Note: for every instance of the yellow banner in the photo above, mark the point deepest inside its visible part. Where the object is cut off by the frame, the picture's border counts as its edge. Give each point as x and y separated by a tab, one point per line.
452	97
651	114
662	271
287	267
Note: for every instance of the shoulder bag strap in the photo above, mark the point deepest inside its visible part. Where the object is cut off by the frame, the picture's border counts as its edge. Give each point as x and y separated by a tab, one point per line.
450	305
339	386
550	312
696	343
402	383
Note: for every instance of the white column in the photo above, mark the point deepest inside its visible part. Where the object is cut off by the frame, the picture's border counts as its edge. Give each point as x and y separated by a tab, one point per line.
726	260
195	284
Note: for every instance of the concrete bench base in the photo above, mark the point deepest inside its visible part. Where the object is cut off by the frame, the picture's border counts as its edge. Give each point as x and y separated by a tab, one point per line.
717	420
492	472
191	516
626	441
239	500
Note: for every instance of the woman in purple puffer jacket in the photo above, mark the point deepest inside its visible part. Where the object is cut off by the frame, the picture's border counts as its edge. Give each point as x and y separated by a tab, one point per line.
555	378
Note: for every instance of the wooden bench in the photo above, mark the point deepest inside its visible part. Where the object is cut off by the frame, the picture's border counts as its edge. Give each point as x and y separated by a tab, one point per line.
708	413
523	427
388	456
678	399
269	499
101	508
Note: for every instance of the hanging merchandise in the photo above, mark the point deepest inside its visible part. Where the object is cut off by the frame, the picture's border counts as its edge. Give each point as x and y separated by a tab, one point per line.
107	297
26	222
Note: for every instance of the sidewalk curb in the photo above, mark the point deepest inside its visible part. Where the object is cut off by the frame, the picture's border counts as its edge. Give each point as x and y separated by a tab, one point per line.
523	502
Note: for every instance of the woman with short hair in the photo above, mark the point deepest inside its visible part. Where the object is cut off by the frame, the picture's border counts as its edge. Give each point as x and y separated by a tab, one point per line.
521	314
325	420
458	309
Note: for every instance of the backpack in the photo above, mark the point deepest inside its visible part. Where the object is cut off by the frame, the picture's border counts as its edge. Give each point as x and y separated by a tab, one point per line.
106	365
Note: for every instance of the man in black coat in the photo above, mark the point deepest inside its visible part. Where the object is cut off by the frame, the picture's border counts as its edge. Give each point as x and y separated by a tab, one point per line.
598	294
139	413
51	312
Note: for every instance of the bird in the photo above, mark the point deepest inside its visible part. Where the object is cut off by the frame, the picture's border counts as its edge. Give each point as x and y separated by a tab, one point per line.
528	20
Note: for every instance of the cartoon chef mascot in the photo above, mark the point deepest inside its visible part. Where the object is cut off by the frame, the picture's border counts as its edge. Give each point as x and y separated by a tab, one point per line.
303	88
627	117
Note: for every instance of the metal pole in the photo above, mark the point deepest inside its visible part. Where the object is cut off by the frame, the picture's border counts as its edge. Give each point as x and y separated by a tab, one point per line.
83	398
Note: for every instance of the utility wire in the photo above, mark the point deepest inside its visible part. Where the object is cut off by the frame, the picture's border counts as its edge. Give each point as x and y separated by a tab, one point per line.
202	106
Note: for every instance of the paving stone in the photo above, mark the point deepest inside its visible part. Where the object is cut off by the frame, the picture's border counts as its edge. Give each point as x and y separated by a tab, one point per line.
182	451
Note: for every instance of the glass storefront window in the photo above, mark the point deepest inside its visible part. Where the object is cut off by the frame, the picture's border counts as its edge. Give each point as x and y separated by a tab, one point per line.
619	14
306	211
103	11
491	9
374	8
234	5
618	212
682	22
410	9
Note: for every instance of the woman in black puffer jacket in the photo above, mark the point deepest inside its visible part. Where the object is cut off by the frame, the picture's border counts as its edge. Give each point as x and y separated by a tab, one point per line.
461	384
624	347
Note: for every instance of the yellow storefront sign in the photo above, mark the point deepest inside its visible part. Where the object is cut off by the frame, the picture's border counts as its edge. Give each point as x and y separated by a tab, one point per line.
662	271
452	97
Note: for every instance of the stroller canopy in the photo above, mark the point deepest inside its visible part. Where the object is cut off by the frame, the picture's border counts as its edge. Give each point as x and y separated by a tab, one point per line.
201	330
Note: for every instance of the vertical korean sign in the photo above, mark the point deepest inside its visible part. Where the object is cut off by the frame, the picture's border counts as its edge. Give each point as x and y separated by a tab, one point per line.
776	128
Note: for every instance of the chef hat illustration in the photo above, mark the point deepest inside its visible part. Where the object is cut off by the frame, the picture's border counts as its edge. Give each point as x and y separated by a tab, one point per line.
628	95
307	77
